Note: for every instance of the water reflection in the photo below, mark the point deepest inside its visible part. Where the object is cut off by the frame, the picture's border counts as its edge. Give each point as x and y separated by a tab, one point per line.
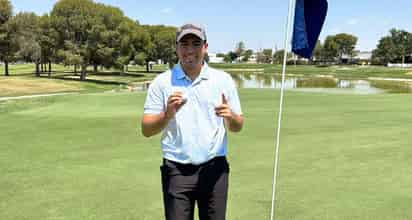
324	84
317	83
393	86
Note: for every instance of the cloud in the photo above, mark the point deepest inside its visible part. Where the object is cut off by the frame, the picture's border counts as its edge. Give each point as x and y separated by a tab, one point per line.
352	21
166	10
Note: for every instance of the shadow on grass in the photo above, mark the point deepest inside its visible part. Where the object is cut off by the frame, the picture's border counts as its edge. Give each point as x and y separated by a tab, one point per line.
20	74
101	82
131	73
144	72
75	77
116	74
43	74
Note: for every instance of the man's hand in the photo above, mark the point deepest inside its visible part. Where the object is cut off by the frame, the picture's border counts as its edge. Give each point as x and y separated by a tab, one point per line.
233	121
223	110
154	124
174	103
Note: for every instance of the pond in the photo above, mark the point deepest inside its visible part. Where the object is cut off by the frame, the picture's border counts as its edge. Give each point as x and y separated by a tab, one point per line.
325	84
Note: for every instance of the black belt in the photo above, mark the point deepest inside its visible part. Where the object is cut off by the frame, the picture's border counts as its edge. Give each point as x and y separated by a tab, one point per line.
215	159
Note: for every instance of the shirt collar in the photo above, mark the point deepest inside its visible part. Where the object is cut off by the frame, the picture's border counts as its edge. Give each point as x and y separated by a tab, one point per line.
180	74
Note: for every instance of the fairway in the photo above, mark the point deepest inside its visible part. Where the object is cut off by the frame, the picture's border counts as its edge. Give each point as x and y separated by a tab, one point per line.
82	156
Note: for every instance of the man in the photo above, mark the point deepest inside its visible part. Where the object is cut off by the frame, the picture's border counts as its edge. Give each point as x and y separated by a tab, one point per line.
193	104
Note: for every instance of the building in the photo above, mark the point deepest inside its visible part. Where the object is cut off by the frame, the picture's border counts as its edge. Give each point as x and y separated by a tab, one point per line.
361	57
214	59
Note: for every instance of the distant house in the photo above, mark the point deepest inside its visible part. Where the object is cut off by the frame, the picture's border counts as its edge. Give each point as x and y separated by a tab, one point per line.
361	57
214	59
408	65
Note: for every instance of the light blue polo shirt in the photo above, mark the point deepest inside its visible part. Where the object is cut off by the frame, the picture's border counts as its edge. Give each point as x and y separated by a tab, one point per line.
195	135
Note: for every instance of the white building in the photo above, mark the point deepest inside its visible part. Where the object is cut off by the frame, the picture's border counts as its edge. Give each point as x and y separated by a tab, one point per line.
214	59
361	57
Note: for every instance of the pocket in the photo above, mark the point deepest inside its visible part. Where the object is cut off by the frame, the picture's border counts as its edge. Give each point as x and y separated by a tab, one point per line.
163	168
163	171
164	177
227	165
224	164
170	168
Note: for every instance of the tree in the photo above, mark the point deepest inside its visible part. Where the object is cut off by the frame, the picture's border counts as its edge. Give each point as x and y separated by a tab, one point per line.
400	39
88	31
230	57
28	35
240	48
134	41
165	46
246	55
6	11
140	58
8	43
95	34
278	56
267	55
345	44
330	48
318	51
162	45
73	20
110	40
260	57
47	40
385	51
264	56
142	44
394	47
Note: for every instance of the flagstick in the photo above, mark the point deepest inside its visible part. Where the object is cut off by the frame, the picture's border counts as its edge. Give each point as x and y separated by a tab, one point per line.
275	170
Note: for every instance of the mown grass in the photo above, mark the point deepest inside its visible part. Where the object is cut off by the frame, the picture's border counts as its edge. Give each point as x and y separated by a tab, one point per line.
83	157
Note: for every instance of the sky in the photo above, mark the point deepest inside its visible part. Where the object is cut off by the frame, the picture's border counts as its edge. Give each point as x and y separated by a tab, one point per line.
259	24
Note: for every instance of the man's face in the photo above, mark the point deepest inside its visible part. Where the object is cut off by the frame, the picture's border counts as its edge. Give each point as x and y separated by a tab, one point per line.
191	51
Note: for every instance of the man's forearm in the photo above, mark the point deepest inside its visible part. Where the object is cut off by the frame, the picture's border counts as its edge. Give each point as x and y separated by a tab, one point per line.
154	124
235	124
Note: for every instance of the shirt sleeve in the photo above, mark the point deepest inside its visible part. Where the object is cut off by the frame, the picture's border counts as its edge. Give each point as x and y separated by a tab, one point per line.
154	100
234	101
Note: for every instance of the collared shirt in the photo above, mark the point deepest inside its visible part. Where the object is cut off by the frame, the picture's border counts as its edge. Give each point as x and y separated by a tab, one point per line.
196	134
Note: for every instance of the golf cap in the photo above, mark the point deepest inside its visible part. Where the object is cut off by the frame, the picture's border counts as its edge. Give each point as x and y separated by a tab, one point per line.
190	28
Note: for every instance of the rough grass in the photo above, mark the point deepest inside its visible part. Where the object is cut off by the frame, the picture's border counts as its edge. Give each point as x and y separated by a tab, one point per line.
23	86
62	79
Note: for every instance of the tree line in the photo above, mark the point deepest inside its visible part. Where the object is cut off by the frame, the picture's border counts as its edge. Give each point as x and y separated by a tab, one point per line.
81	33
396	47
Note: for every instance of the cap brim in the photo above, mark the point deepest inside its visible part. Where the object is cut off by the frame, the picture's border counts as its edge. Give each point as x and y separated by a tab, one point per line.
195	32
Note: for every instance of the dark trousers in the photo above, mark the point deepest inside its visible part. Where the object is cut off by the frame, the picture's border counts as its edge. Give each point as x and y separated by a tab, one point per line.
206	184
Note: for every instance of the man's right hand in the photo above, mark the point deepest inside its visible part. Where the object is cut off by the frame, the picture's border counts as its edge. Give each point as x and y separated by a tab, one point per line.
174	103
154	124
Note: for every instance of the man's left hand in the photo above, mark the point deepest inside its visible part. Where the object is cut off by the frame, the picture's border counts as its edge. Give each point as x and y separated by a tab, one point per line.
233	121
223	110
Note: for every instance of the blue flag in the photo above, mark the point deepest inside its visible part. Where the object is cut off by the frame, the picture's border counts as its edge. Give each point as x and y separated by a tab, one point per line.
309	18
